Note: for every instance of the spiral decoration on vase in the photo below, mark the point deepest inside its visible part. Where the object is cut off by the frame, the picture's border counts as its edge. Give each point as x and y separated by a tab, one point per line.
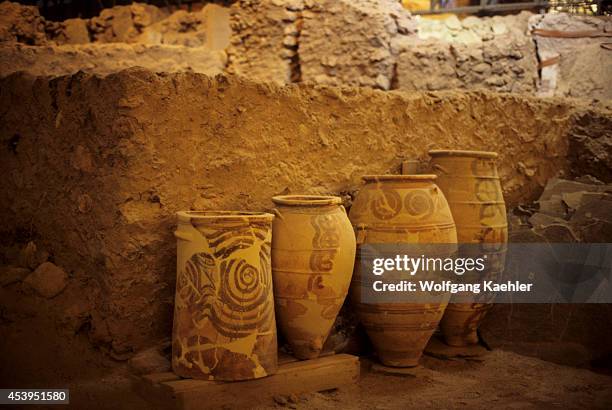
386	204
419	204
240	299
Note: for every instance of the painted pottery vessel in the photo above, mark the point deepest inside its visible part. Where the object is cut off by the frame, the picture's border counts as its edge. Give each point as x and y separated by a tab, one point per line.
400	209
470	181
224	323
313	253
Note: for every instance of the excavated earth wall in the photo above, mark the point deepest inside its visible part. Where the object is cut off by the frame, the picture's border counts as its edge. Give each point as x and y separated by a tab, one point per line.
94	168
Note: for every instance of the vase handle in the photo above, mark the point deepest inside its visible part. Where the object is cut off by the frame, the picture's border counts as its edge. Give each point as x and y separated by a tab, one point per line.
276	212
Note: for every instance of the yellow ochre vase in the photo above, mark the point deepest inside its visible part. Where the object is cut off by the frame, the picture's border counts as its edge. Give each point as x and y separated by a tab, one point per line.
470	181
396	210
313	252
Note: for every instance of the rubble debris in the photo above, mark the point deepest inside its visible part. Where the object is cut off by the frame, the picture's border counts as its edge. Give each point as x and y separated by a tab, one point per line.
569	211
48	280
21	24
124	23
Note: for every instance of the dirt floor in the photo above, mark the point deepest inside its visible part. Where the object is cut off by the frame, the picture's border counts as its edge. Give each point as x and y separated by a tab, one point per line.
501	379
496	379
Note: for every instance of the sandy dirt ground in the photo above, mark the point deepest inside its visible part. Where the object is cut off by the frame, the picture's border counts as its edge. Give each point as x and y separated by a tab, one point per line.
42	354
501	379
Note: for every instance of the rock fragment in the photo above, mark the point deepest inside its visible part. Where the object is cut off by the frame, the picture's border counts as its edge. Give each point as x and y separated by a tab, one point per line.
48	280
572	211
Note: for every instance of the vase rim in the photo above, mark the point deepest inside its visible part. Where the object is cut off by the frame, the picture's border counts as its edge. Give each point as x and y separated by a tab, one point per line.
462	153
227	215
393	177
306	200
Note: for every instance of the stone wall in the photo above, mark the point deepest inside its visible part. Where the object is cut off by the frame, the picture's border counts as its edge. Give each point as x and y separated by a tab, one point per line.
490	53
373	43
351	43
264	39
95	168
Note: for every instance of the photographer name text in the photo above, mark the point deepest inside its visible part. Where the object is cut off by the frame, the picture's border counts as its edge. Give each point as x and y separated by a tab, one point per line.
448	286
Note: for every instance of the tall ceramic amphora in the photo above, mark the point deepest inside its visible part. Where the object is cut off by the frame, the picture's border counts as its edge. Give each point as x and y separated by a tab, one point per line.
470	181
313	252
224	323
400	210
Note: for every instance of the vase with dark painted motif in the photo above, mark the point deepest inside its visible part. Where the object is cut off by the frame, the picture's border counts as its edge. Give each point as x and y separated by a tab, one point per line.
224	323
400	210
313	252
470	181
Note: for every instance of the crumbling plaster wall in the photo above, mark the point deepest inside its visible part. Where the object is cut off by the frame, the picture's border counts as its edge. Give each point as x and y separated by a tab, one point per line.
95	168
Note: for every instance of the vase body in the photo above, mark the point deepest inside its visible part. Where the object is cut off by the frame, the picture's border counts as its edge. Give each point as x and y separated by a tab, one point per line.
224	323
470	182
313	253
399	209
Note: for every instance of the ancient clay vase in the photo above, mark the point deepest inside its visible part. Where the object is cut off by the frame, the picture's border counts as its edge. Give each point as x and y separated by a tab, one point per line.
224	323
399	209
470	181
313	252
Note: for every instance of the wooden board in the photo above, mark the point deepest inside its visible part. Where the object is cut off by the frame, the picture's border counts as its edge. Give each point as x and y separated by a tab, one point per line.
166	390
